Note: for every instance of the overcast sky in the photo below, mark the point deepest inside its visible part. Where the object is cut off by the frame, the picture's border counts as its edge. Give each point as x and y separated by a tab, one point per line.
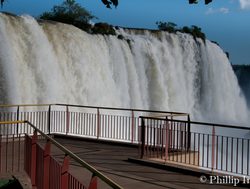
224	21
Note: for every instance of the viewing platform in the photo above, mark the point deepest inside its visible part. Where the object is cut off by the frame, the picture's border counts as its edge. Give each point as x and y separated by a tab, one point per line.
68	146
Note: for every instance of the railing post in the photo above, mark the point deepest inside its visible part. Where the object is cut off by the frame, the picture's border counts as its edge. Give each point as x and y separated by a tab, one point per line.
142	137
49	114
189	134
93	182
171	133
27	154
98	123
33	159
167	139
46	163
213	147
0	151
67	120
17	118
64	173
133	126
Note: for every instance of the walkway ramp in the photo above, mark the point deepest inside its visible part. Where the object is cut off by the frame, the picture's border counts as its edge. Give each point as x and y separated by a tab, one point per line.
112	160
104	140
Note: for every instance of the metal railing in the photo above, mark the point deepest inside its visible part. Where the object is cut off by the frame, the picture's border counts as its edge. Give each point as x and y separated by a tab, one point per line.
86	121
11	148
162	137
44	168
213	147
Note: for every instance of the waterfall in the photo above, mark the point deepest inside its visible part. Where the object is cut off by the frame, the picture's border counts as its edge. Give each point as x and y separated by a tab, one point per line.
46	62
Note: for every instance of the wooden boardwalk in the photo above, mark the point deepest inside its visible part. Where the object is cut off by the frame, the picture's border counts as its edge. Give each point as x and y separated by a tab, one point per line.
112	160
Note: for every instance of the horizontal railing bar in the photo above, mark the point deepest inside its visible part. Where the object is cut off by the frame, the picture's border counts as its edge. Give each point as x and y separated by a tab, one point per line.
209	134
169	114
11	122
124	109
23	105
77	159
180	114
198	123
92	107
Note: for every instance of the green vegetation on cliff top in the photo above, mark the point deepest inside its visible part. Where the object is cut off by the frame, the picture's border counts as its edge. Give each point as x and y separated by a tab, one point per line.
70	12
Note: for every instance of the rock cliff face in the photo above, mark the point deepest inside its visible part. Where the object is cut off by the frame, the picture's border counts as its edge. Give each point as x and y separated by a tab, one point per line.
50	62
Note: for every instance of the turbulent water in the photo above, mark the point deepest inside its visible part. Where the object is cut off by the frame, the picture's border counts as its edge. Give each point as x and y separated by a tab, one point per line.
57	63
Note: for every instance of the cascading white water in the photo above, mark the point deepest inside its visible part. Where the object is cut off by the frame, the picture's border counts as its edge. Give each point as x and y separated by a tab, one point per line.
49	62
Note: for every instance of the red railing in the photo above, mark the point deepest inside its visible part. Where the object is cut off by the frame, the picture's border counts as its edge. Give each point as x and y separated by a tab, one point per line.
117	124
176	141
36	156
214	147
11	145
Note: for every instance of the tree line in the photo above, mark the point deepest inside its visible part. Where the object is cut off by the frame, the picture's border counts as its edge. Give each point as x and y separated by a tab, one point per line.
171	27
70	12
